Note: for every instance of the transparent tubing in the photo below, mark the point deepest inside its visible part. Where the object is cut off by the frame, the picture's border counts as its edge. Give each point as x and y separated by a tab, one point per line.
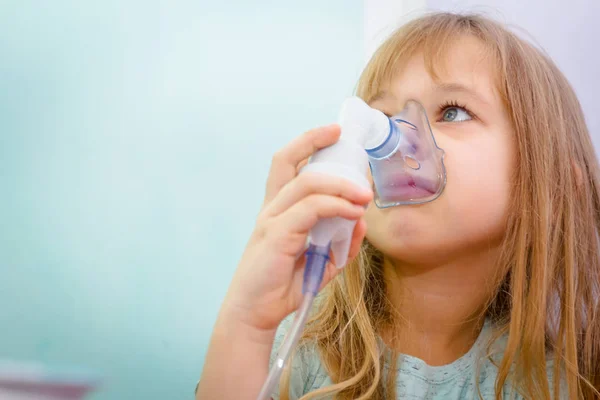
290	341
316	261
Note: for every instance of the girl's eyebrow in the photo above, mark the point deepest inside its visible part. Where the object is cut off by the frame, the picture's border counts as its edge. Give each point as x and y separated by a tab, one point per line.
380	96
380	101
384	98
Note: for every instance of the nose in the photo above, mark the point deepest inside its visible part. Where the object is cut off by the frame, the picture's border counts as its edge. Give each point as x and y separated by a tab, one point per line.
412	142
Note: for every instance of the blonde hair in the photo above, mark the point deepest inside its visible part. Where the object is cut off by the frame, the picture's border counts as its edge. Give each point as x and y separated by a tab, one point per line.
547	292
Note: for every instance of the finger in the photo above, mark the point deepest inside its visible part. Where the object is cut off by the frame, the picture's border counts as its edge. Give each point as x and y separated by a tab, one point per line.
285	161
305	214
301	165
317	183
360	230
331	271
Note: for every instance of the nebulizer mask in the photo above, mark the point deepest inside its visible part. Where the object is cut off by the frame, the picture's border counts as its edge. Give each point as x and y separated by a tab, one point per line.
406	167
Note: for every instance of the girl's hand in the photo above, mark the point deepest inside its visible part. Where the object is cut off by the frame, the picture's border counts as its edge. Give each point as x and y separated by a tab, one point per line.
267	285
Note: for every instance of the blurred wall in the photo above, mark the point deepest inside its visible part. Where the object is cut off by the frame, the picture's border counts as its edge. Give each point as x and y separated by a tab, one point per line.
135	139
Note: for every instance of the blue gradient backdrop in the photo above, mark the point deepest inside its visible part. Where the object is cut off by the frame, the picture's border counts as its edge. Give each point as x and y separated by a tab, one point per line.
135	139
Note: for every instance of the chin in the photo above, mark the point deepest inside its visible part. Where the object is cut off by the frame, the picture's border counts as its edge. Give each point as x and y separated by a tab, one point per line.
400	239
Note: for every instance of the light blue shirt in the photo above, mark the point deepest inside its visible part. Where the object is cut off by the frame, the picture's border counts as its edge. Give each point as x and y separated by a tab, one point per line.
416	379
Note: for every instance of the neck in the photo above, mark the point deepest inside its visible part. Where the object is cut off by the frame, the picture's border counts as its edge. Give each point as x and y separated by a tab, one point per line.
439	308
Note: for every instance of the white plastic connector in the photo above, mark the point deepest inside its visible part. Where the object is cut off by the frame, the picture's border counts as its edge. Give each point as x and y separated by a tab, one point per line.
362	128
368	126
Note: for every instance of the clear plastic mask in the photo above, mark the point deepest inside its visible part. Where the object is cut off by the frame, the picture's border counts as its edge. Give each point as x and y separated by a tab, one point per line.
409	167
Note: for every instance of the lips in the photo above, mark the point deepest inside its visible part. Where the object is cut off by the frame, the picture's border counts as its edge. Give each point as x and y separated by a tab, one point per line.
402	187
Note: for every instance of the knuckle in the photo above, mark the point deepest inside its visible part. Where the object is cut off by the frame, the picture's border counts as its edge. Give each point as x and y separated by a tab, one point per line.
307	180
319	201
278	157
302	186
261	230
261	217
321	183
312	201
270	231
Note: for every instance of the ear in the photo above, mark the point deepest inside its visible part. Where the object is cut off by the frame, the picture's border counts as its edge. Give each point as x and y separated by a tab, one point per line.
578	173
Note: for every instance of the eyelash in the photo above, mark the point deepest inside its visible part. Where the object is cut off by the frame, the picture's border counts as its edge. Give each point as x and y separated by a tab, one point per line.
451	104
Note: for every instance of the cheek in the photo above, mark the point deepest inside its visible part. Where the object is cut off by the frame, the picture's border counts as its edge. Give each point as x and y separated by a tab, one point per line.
470	212
479	183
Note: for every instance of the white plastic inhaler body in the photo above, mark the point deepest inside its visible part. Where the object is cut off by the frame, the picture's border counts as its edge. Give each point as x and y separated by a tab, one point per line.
362	128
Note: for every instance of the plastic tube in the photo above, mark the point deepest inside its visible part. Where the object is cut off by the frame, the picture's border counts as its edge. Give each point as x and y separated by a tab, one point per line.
316	261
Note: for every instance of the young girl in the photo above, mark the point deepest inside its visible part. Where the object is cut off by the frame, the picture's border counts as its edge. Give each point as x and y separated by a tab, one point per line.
490	291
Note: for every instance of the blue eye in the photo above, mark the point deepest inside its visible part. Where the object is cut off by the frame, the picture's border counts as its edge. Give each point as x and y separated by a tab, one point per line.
455	114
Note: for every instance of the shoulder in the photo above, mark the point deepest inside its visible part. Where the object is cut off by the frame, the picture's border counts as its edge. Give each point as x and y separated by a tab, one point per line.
306	371
489	371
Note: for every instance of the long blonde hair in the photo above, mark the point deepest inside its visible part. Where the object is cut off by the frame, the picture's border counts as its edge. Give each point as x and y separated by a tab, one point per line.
547	292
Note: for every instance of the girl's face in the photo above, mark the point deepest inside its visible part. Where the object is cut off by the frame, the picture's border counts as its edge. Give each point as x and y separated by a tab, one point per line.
471	125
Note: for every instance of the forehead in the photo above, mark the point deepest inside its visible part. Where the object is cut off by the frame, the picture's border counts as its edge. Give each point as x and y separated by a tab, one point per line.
464	66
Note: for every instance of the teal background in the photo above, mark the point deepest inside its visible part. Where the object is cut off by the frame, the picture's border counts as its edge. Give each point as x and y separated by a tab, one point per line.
135	139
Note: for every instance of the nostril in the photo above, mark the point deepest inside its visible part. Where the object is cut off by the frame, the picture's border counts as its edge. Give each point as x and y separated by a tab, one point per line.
411	162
